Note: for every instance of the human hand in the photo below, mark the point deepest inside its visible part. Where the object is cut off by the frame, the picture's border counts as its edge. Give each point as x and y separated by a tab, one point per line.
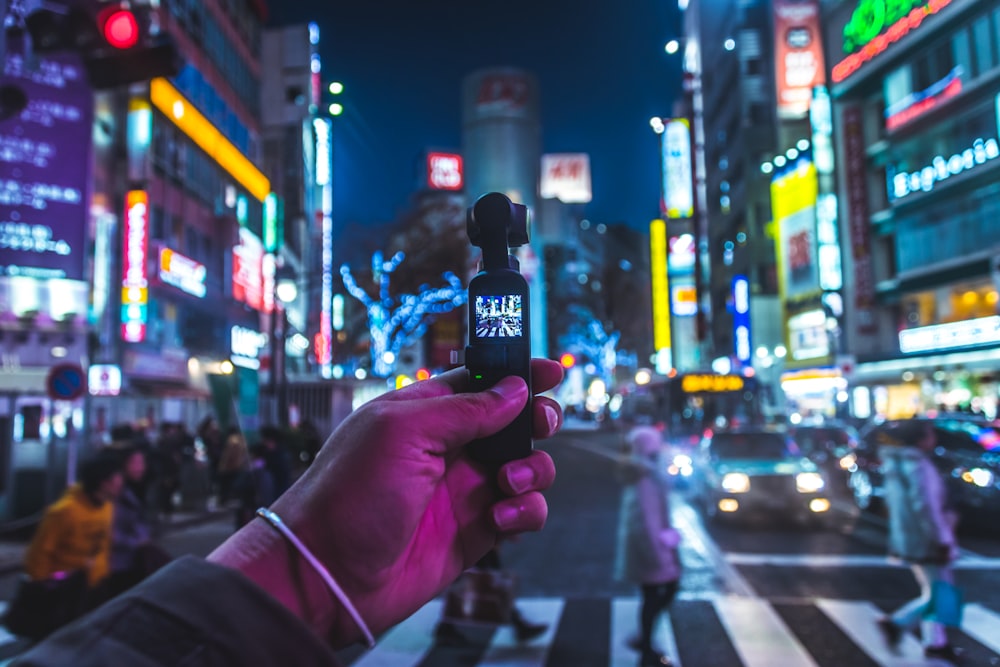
396	510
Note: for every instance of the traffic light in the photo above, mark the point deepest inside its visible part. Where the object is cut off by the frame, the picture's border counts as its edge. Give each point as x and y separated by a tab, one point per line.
129	49
119	43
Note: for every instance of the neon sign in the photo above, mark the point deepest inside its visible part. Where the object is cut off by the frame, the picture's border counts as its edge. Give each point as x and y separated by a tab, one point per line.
135	281
941	168
444	171
182	272
741	318
917	104
865	35
967	333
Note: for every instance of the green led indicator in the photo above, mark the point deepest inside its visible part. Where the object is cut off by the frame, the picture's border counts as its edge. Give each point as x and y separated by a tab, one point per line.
478	377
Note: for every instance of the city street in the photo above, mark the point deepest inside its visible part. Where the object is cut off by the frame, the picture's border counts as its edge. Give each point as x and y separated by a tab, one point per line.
760	595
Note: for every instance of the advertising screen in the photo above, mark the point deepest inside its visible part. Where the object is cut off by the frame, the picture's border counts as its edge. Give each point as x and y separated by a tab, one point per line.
45	152
499	316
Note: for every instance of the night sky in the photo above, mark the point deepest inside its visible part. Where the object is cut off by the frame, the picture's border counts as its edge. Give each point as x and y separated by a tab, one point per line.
601	68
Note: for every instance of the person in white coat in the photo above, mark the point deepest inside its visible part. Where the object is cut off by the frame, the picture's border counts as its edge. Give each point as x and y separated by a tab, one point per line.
647	544
921	529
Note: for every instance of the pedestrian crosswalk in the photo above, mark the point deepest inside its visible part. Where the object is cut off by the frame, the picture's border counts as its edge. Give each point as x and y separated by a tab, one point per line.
700	631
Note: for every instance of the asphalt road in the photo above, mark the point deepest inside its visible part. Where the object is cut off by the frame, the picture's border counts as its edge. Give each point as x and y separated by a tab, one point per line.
760	594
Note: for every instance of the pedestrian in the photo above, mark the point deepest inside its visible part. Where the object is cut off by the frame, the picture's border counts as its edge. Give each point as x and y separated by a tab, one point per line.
276	455
254	487
390	513
446	633
69	554
213	442
647	544
921	531
233	461
134	555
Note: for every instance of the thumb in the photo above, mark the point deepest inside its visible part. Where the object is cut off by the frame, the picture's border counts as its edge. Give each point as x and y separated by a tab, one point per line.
450	422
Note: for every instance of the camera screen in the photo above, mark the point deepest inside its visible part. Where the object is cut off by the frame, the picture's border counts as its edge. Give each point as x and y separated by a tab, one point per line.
499	316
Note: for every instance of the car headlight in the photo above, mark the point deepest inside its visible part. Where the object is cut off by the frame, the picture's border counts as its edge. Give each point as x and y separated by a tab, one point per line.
736	482
978	476
848	461
809	482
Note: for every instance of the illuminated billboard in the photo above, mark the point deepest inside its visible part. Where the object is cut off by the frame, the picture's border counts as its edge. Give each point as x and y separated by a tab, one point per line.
678	178
444	171
741	319
875	25
798	59
566	177
794	192
135	278
248	270
46	158
660	285
182	272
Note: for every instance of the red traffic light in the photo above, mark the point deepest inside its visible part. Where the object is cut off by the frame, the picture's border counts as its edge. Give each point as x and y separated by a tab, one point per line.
120	28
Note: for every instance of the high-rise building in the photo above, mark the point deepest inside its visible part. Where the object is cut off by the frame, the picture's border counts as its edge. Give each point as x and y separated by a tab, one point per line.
188	278
916	127
293	123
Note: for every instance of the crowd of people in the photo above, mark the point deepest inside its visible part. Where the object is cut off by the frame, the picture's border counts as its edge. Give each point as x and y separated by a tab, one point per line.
99	538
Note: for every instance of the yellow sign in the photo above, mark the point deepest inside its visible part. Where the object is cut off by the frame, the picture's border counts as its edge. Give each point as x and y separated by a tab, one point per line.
695	384
660	284
191	122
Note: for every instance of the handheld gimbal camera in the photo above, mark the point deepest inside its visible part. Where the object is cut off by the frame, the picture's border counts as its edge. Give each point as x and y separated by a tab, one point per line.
499	322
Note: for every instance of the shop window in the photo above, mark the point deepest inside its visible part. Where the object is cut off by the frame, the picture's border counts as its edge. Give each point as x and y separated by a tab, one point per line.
983	45
961	53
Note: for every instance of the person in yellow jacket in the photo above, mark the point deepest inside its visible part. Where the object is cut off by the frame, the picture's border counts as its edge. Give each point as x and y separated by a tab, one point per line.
75	533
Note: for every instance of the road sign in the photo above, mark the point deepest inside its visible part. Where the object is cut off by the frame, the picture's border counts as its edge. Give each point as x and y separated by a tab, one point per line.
66	382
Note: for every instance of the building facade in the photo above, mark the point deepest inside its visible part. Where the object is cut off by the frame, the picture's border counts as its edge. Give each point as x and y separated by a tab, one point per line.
916	114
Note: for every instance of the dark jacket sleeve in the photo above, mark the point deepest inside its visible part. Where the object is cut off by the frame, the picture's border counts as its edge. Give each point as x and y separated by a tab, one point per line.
191	613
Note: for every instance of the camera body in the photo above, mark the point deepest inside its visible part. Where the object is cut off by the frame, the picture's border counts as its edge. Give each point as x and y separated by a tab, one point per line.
499	319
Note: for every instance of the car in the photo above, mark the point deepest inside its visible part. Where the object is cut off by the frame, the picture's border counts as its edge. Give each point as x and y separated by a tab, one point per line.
967	455
830	445
758	471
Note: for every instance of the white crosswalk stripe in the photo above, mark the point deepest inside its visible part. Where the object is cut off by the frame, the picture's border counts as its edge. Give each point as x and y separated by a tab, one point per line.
857	620
759	635
982	625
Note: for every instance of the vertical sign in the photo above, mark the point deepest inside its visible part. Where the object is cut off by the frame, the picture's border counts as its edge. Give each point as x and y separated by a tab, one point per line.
678	180
135	281
856	170
741	319
798	55
660	289
794	192
324	164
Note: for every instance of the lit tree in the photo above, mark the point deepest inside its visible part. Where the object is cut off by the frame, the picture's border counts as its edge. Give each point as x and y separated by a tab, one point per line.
395	322
588	337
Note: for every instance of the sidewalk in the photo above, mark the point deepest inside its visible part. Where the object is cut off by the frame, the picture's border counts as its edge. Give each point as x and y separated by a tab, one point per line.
12	551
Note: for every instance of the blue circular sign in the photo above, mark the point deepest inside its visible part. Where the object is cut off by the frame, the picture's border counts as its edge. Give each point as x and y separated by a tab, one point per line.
66	382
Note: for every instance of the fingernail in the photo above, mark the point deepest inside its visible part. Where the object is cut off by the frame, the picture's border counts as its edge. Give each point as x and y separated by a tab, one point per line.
505	516
552	418
509	386
521	478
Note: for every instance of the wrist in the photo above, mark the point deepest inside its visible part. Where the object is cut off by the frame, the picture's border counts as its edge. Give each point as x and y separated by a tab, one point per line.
264	556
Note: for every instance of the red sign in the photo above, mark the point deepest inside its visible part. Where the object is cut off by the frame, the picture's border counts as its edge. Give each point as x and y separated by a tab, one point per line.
798	55
248	270
858	221
444	171
502	92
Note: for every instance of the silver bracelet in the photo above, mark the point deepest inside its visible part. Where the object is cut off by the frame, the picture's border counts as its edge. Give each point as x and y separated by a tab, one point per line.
275	520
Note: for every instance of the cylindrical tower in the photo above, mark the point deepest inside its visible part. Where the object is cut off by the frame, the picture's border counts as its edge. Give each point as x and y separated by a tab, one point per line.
501	145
